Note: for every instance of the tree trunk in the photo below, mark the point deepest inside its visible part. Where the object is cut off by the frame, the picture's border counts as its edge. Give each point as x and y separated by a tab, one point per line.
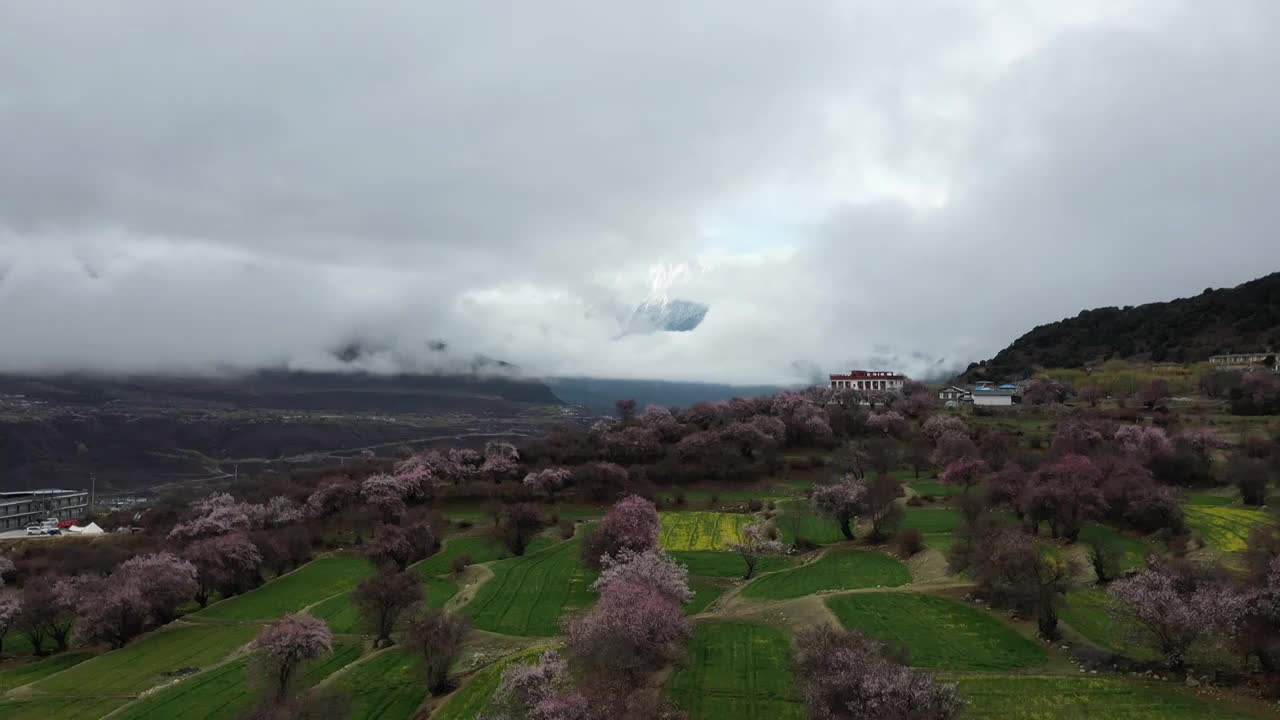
844	528
1048	619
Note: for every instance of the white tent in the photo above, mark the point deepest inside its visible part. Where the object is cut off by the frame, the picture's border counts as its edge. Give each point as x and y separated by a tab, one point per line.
90	529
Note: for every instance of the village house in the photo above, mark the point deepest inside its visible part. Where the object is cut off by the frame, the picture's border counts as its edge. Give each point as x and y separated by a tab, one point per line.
987	396
1240	360
954	393
869	380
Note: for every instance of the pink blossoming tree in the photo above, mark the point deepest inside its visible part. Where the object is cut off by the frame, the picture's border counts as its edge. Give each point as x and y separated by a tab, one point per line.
226	564
653	568
843	676
541	691
965	472
168	580
633	629
1170	615
549	480
840	502
283	647
632	523
10	609
755	544
1143	442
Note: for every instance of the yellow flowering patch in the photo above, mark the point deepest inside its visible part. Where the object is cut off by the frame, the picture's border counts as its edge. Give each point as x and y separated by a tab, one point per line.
702	530
1225	528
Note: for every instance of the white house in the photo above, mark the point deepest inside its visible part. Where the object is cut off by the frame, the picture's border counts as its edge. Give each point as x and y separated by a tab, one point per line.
986	397
952	392
869	380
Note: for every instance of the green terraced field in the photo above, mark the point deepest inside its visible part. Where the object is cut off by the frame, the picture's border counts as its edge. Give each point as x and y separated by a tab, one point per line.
387	686
1209	499
931	520
1079	698
710	563
702	530
110	680
737	671
1086	612
224	692
20	675
309	584
705	592
1225	528
798	520
46	708
473	698
481	549
939	634
529	595
838	570
343	617
1135	550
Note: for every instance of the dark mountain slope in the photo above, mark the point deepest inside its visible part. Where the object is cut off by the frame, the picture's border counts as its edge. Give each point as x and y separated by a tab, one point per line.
599	395
1241	319
143	431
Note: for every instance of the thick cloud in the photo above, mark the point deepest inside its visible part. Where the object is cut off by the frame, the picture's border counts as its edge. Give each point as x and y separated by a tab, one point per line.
230	184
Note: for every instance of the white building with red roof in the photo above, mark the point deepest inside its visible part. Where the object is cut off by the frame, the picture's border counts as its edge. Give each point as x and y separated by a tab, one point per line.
869	380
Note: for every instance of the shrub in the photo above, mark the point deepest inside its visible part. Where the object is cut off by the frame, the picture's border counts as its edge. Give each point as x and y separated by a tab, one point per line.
459	564
909	541
915	501
803	544
680	498
566	528
772	505
754	505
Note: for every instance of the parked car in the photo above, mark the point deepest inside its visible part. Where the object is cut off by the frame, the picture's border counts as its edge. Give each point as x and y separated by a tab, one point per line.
35	530
53	531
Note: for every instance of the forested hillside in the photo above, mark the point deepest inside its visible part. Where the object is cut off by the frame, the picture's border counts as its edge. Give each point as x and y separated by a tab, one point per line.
1241	319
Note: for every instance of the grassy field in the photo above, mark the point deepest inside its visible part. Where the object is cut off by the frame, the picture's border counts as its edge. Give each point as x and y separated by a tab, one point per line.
387	686
702	530
931	520
1135	550
479	548
939	634
1210	499
737	671
528	595
839	570
342	616
799	521
224	692
56	708
105	682
1085	611
20	675
1225	528
937	488
473	698
1079	698
709	563
705	592
290	593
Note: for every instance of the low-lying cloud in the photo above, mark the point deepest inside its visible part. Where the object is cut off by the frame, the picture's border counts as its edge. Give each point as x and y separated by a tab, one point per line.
216	185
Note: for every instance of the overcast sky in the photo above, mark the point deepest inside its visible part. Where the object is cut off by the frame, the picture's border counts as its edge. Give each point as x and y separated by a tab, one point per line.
212	184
